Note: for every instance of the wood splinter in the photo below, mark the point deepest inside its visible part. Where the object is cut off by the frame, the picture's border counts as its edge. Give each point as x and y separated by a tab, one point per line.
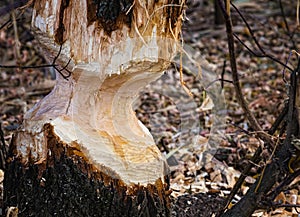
82	151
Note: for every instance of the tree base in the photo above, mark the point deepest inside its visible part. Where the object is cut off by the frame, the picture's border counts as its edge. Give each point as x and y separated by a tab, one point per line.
66	184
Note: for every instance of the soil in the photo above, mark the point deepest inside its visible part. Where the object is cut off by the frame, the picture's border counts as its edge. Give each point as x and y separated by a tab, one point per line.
176	120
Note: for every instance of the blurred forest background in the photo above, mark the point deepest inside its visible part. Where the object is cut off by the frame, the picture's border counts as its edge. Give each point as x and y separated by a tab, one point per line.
198	190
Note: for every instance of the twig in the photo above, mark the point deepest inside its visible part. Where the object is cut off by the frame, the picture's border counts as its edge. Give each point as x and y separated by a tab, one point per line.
26	67
265	166
45	66
17	41
222	81
253	122
279	119
3	151
288	180
223	73
235	77
254	160
4	24
275	205
291	103
64	68
286	24
28	4
263	184
264	54
283	71
277	167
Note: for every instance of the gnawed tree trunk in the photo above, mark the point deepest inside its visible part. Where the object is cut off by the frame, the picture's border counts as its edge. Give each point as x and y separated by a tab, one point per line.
82	151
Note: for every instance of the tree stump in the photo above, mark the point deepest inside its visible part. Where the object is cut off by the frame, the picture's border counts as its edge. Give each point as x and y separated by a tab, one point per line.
82	151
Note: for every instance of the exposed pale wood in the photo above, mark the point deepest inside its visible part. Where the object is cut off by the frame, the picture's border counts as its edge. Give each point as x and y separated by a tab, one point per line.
109	65
87	124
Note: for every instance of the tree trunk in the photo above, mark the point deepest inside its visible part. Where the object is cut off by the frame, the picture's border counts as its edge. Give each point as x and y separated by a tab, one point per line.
82	151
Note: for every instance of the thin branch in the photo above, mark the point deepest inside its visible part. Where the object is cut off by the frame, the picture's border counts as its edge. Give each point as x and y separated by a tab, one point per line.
288	180
292	102
241	128
16	34
264	54
3	151
284	17
275	169
6	23
259	188
279	119
254	159
283	71
25	67
248	27
288	32
223	72
55	58
53	65
276	205
221	81
64	68
235	77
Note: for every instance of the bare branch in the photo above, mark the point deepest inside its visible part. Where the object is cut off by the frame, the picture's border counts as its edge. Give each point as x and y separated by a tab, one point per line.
288	180
53	65
288	32
264	54
235	78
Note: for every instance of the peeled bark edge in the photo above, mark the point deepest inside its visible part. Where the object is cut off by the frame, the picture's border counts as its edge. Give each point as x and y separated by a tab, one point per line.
47	174
66	178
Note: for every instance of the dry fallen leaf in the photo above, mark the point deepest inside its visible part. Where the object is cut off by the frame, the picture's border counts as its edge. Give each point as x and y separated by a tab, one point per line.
207	105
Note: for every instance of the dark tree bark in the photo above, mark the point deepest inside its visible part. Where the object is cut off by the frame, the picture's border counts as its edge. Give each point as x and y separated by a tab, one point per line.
66	184
82	151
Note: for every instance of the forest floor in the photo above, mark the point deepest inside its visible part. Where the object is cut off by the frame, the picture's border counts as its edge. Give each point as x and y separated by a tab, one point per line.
184	127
